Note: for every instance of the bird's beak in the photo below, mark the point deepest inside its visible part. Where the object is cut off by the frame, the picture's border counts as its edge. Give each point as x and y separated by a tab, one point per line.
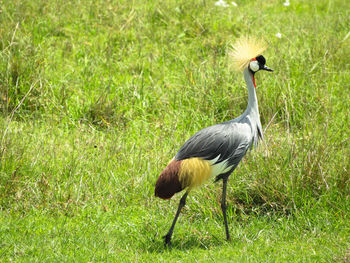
266	68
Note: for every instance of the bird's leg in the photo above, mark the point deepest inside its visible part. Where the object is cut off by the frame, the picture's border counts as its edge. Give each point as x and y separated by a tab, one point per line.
223	205
182	203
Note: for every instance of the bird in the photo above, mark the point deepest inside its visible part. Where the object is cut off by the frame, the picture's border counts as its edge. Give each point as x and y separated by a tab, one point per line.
216	151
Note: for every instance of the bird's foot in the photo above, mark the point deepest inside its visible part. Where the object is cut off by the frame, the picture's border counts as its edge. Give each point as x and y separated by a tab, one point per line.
167	239
228	237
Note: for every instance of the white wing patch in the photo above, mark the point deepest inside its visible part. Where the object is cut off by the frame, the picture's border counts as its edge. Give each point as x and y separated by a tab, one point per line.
219	168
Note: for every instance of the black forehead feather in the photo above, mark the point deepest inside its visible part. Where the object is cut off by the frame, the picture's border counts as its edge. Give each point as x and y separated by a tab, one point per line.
261	60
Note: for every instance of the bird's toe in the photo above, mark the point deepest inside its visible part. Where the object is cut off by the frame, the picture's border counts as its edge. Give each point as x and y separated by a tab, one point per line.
167	239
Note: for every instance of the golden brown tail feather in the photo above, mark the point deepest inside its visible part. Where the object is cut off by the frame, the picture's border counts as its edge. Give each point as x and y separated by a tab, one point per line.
168	182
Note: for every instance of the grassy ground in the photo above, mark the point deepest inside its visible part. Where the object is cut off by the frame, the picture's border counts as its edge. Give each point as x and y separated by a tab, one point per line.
97	96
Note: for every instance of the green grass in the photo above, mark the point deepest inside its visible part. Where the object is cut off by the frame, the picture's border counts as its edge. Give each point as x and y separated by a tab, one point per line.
97	96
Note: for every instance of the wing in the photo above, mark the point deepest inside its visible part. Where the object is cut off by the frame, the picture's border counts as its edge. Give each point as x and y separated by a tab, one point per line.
224	143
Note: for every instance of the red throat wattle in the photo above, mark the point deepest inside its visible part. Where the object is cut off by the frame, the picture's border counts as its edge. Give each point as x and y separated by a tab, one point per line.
253	59
253	80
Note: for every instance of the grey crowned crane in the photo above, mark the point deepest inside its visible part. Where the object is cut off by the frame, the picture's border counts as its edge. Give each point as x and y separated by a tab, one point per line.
218	149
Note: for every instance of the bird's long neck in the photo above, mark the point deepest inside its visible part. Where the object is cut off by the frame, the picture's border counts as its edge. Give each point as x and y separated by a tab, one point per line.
252	108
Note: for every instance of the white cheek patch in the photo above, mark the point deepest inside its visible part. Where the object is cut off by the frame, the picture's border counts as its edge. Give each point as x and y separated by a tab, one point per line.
254	66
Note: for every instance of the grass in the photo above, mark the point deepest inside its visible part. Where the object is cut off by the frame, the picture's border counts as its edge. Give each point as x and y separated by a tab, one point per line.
97	96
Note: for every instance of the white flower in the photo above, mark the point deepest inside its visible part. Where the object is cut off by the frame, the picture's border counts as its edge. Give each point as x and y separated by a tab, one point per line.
286	3
234	3
278	35
221	3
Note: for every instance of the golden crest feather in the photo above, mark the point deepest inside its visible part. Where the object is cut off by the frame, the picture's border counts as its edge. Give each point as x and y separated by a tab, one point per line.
245	49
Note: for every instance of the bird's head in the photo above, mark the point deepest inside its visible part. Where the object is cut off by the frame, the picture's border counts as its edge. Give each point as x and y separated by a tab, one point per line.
258	63
246	53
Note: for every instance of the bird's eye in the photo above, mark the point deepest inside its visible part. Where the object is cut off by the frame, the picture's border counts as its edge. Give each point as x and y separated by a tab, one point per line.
254	66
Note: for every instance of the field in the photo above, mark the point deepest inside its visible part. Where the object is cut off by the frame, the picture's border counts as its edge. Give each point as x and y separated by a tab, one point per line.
97	96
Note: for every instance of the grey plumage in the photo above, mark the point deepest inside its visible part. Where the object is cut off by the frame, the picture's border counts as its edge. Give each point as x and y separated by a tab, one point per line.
225	141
